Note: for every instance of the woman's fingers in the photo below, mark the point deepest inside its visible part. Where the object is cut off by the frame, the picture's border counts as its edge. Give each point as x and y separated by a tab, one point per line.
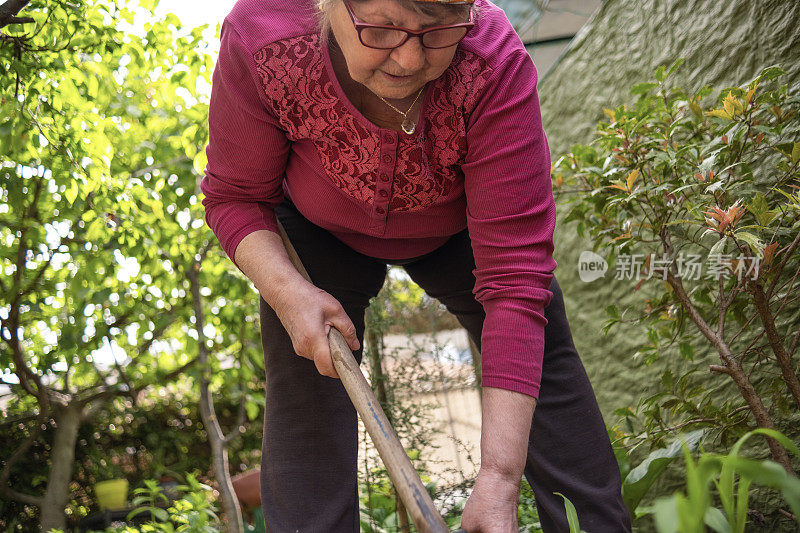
322	358
342	322
308	319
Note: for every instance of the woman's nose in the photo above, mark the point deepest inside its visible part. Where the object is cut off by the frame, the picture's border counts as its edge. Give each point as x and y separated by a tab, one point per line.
410	55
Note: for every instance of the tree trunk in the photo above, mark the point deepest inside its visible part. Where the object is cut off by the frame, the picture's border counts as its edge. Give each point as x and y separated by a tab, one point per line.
68	420
734	370
230	504
763	419
216	437
375	342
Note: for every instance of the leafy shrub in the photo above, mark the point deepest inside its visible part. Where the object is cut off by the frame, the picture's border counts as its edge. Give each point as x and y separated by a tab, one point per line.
679	181
192	512
693	511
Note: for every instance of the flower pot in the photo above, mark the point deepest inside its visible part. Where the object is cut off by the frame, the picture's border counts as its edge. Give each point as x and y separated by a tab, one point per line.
247	487
111	494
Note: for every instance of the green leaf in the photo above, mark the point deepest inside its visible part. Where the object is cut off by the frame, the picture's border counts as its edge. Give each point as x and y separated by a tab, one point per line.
675	66
767	473
160	513
719	247
752	241
760	209
771	72
716	520
777	435
666	513
572	514
687	351
612	311
252	409
71	193
640	479
642	88
200	162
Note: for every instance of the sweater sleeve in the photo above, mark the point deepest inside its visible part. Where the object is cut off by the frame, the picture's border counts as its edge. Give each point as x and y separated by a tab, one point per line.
247	150
511	217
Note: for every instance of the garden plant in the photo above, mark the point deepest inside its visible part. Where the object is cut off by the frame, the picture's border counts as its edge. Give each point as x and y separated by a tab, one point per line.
696	196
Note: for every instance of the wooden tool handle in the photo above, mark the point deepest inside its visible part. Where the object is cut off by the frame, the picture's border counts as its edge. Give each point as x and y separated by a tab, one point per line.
402	473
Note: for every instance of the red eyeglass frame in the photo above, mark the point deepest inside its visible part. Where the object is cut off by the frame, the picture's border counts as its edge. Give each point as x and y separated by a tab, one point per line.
361	26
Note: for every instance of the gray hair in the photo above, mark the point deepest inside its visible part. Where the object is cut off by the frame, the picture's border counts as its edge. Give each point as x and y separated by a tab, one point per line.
431	9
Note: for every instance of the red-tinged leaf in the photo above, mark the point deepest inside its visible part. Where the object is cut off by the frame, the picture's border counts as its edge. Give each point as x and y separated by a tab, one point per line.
769	253
749	96
632	178
718	214
639	284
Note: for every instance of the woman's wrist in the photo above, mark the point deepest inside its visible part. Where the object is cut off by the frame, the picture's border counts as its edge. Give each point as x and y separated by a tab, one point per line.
503	484
505	433
262	257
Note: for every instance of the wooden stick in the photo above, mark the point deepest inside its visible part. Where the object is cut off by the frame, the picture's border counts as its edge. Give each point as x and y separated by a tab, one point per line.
402	473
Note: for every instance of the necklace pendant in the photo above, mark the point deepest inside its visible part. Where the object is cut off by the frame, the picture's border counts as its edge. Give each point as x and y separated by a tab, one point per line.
408	126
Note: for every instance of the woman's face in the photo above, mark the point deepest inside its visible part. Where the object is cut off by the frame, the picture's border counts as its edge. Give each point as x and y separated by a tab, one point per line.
399	72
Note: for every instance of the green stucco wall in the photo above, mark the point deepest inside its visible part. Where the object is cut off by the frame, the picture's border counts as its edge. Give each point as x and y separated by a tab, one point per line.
724	43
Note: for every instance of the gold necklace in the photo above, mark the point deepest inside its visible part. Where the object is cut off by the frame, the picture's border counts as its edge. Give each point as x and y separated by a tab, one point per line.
408	125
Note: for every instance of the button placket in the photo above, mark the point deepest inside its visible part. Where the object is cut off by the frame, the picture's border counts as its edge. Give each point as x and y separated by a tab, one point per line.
383	183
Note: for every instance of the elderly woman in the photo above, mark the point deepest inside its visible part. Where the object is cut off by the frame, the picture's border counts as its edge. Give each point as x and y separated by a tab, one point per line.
407	133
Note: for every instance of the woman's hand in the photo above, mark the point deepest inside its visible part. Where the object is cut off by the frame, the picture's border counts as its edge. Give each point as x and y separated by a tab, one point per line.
492	506
308	313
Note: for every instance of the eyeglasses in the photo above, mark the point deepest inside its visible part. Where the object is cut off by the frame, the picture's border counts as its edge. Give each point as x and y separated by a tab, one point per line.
385	37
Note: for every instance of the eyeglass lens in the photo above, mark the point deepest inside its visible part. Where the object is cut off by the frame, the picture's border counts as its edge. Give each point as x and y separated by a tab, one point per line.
386	38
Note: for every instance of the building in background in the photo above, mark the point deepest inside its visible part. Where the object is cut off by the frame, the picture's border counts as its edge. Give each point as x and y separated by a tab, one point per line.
547	26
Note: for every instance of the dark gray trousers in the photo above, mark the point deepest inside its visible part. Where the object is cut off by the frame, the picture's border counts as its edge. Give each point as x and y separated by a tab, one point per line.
310	445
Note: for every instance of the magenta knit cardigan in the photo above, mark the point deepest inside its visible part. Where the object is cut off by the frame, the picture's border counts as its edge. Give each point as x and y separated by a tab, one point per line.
280	124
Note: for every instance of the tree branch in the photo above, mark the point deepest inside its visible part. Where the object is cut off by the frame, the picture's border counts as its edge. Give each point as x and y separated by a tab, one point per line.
239	428
216	437
44	414
776	342
795	342
21	497
9	10
786	255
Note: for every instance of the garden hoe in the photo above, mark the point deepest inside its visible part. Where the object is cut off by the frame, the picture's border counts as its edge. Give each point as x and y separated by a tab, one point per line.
403	475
